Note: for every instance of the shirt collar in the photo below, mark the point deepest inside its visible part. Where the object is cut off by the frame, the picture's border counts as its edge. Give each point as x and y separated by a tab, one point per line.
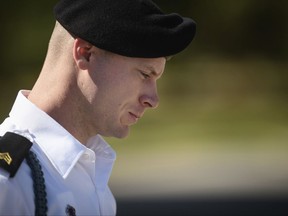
61	148
105	157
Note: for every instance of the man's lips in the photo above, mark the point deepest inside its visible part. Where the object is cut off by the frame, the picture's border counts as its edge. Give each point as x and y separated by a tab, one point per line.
135	117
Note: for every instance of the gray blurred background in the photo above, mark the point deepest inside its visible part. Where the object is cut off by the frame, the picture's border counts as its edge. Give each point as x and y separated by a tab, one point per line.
218	143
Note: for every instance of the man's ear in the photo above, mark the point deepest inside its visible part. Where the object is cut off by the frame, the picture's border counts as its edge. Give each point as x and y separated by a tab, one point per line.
82	52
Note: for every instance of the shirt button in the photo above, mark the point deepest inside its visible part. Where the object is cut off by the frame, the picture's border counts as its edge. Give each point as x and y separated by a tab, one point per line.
93	159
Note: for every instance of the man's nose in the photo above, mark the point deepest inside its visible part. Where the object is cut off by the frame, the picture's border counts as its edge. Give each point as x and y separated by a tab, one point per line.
150	100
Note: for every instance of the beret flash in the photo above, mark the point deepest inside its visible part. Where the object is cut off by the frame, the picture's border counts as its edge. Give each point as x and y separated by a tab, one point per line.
133	28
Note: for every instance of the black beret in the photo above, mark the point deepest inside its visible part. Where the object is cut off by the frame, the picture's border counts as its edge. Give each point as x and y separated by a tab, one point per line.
133	28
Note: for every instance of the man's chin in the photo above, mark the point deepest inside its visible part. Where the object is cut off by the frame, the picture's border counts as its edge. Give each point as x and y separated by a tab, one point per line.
121	133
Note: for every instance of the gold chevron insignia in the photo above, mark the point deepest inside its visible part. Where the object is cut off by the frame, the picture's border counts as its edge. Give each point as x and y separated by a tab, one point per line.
6	157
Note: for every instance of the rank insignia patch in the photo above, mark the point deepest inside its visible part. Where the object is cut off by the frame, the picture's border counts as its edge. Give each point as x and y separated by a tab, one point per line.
13	150
6	157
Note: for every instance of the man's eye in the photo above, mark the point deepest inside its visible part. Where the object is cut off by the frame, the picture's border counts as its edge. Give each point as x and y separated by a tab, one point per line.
146	76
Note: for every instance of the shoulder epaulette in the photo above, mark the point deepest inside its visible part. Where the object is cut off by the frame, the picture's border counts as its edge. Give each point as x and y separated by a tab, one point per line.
13	150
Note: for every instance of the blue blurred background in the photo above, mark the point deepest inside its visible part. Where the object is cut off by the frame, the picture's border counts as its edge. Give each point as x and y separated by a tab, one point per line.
218	143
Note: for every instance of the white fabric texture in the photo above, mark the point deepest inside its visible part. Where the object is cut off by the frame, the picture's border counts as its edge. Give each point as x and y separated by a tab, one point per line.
76	175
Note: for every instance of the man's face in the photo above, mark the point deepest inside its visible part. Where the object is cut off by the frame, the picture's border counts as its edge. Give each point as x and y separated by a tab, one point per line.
119	91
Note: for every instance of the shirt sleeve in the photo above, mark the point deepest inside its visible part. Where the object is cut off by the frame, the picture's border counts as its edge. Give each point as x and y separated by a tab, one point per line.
12	200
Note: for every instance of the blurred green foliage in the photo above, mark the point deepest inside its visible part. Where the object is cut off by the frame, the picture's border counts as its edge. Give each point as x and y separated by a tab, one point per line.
230	84
237	28
231	28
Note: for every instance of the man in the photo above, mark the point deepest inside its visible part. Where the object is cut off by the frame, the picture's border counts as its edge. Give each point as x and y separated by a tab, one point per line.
99	76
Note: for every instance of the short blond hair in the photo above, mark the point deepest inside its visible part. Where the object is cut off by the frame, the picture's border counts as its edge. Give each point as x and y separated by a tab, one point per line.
60	42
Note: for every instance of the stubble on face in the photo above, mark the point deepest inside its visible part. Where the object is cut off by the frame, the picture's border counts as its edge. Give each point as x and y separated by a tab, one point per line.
116	105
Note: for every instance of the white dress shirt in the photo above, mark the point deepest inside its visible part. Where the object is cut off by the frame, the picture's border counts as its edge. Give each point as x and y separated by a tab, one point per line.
75	175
